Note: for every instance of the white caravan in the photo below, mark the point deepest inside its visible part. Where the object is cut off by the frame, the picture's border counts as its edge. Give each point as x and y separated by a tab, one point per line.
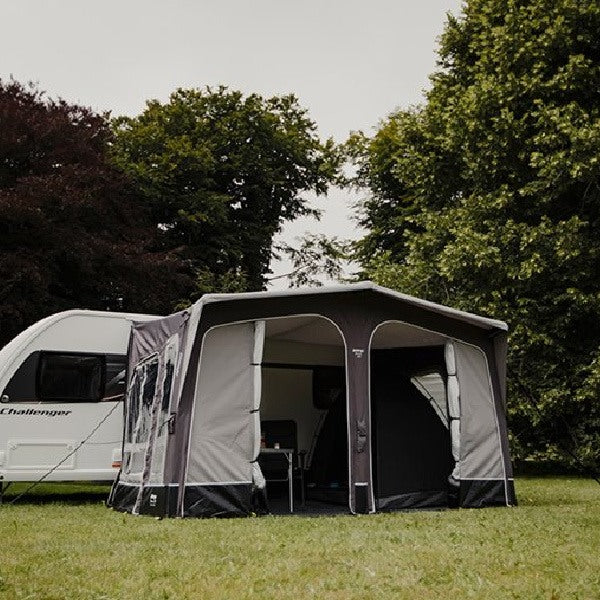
58	380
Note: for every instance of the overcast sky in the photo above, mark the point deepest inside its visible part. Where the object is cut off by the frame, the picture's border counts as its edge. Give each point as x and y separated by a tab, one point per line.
349	62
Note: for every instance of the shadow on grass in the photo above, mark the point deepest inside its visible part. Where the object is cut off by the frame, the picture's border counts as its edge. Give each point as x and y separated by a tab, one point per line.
72	494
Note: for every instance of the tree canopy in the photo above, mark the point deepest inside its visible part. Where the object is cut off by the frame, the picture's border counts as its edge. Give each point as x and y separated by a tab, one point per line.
222	172
147	213
487	198
73	232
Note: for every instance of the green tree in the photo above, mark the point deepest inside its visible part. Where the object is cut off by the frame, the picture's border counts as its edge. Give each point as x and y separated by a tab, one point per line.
222	173
487	198
73	232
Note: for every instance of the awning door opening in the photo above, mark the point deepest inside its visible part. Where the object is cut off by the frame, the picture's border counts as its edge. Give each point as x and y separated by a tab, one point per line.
303	406
412	451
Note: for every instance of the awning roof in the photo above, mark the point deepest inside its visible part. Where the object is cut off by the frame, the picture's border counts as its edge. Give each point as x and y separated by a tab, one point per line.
483	322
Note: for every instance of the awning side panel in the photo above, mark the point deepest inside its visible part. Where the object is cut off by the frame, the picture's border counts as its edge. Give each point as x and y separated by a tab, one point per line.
481	456
153	356
222	435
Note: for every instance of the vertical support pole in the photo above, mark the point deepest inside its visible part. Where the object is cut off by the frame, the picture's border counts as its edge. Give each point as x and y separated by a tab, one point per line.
359	416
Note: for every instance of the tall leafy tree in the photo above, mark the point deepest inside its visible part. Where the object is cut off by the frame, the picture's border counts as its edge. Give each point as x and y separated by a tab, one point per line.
72	231
487	197
222	173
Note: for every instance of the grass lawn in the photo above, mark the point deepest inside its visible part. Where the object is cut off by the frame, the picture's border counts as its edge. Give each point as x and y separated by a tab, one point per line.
71	547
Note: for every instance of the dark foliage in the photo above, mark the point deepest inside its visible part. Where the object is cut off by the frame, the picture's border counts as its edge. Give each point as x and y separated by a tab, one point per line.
73	233
222	172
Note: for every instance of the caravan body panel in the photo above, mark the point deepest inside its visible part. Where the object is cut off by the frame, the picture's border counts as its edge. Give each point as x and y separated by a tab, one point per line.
37	433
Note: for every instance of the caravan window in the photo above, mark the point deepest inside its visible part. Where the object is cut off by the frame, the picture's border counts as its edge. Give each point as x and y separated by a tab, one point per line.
116	366
68	377
21	387
71	377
